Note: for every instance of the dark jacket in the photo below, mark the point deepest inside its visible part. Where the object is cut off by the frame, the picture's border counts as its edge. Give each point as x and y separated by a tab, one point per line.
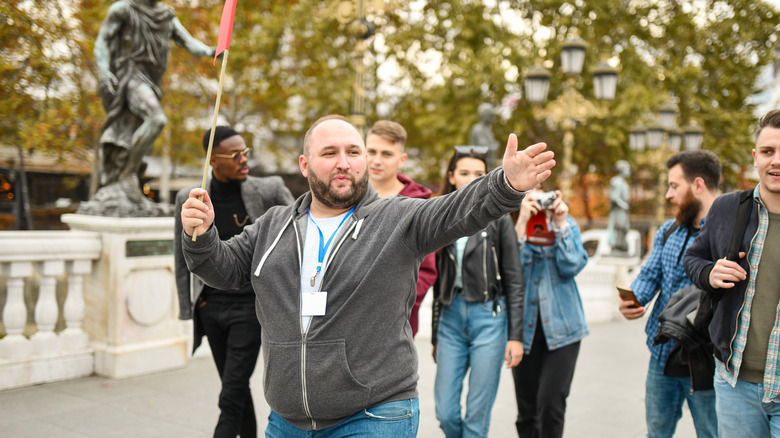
712	244
491	269
692	354
361	352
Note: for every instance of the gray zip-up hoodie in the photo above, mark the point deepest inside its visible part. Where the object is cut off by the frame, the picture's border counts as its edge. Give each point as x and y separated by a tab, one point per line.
361	352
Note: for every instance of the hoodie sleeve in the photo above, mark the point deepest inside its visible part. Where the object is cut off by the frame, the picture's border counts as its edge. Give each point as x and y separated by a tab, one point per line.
437	222
223	265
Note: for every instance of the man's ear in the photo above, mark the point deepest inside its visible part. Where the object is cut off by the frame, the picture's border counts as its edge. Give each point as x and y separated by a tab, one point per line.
212	158
303	164
699	185
403	159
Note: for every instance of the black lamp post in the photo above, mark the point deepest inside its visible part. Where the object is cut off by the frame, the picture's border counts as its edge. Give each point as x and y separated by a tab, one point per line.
537	84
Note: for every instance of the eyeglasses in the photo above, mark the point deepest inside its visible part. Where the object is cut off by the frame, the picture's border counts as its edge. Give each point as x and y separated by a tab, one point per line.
471	150
235	156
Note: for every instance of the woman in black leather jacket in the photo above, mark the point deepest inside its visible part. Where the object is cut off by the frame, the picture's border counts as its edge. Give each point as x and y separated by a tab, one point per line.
477	311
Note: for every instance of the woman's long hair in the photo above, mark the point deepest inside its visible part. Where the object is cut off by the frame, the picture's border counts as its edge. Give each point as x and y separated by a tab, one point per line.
476	152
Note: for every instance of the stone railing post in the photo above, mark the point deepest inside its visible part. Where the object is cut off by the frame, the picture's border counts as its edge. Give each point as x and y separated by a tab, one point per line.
45	341
14	345
74	337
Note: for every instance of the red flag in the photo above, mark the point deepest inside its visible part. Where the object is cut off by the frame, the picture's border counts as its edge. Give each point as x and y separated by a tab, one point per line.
225	27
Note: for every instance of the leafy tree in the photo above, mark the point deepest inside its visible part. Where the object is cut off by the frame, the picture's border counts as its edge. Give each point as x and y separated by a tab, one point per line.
706	54
46	77
430	66
287	66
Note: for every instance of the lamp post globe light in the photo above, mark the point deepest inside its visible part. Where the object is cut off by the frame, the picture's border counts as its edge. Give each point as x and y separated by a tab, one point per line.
573	55
637	137
604	81
693	135
570	107
675	139
537	84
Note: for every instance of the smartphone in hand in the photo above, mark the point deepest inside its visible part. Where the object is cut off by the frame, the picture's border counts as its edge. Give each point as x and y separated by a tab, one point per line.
627	294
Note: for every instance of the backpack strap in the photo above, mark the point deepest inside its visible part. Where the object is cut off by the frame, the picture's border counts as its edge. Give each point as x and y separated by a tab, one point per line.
670	230
743	213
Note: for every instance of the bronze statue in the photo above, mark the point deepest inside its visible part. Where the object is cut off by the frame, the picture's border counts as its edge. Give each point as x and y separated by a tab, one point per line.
482	132
619	225
131	54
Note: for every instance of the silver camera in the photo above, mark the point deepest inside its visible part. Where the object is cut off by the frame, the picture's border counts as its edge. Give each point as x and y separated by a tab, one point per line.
545	200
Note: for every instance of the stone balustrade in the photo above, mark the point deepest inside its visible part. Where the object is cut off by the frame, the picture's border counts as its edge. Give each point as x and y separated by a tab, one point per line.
101	298
42	336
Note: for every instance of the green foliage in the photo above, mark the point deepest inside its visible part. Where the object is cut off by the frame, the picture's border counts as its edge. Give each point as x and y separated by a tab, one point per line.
707	54
291	62
46	78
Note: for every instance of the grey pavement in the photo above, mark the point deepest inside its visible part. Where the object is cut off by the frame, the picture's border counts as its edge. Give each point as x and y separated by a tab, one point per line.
607	398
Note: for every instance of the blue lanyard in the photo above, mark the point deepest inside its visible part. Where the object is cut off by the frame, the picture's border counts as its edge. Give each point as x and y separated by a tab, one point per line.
323	249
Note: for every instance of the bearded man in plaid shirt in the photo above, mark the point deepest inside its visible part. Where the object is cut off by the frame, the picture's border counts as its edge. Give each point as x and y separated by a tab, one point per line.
693	186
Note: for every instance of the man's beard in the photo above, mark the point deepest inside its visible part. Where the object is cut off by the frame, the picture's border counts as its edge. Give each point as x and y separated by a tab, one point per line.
330	199
688	211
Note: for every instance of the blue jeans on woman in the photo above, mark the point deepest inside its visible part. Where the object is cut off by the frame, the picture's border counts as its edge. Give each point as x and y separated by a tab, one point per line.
469	335
397	419
741	412
664	397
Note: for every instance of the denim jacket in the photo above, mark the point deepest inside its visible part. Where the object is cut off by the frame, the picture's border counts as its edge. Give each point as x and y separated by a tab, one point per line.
550	290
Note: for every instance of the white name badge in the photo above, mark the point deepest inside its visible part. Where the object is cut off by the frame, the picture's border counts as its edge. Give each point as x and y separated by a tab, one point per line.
313	303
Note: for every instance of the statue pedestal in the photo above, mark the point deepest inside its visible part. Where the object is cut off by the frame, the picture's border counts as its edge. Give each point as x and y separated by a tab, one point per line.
130	297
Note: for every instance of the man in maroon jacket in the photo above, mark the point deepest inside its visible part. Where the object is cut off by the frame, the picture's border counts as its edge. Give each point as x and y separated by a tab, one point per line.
385	146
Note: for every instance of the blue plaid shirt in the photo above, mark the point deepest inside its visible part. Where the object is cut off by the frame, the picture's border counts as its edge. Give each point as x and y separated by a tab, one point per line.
663	272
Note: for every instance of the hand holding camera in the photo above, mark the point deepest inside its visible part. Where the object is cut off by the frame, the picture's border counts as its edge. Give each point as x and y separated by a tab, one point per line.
534	211
545	200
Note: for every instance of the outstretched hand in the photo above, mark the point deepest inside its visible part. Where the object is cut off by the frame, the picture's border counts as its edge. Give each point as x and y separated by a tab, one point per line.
527	168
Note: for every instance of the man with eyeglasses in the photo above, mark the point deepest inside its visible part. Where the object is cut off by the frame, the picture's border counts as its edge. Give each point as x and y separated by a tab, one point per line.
335	277
227	317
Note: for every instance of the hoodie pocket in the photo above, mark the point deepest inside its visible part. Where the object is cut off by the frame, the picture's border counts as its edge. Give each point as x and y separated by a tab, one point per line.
332	390
282	380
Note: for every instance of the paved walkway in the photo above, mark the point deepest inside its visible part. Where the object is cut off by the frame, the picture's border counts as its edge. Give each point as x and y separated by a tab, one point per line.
606	398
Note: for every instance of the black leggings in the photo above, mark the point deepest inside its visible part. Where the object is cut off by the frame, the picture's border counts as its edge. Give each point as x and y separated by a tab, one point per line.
542	383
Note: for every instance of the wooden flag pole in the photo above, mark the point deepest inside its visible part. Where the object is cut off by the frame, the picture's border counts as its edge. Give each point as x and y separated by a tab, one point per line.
211	135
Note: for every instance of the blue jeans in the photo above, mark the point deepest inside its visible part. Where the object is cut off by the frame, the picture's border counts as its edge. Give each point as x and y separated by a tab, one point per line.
469	336
741	412
389	420
664	398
